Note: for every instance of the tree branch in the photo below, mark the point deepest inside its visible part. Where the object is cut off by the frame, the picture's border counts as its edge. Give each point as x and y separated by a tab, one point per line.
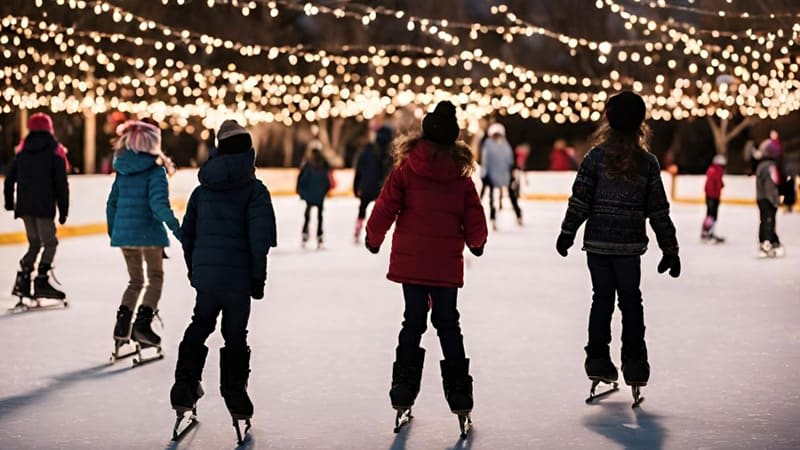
739	128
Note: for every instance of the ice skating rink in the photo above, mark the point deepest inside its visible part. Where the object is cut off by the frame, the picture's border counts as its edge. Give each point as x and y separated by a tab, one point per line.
724	343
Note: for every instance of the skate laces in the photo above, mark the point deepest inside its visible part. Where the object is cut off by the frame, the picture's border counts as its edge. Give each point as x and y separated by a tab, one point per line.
52	273
160	320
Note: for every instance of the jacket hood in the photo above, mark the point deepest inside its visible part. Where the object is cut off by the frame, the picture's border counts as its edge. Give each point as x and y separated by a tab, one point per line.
425	161
38	141
129	162
225	171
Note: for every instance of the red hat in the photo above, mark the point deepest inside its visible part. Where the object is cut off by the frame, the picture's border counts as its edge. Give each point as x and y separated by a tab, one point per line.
40	122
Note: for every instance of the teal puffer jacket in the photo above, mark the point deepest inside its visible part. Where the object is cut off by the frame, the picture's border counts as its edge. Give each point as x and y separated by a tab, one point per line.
139	203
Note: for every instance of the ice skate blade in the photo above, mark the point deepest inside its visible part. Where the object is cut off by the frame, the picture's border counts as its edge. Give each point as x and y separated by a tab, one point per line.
189	420
465	424
403	417
241	438
140	360
36	305
117	354
637	396
593	395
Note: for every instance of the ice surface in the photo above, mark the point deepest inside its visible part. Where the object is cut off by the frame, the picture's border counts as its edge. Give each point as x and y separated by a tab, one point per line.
724	343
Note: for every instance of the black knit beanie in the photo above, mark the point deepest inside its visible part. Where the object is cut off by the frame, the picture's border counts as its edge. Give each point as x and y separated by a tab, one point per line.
233	138
625	111
441	126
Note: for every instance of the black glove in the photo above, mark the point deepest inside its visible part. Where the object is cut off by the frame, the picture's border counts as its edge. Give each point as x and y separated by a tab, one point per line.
257	289
671	262
373	250
9	206
477	251
62	219
564	242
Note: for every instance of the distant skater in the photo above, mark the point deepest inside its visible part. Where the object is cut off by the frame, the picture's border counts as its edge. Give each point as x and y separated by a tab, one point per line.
373	165
432	201
39	172
497	163
713	188
313	184
768	181
618	186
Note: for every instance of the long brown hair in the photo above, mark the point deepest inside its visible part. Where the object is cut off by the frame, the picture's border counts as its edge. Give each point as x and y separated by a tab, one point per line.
459	152
623	151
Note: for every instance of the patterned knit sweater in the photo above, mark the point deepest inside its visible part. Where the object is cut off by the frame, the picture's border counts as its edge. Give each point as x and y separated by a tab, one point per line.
615	210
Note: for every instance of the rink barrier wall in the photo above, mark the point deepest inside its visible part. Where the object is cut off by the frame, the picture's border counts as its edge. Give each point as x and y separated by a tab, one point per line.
89	193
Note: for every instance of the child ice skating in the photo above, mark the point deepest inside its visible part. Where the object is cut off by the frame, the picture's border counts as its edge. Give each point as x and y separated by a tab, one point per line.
39	172
497	162
617	187
136	210
713	188
768	179
228	230
432	200
313	184
372	167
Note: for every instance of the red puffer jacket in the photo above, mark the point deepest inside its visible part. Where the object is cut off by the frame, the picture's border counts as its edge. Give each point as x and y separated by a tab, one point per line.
714	182
437	211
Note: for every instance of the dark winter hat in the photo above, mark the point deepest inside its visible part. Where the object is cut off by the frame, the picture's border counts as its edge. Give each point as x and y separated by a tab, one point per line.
384	135
441	126
233	138
40	122
625	111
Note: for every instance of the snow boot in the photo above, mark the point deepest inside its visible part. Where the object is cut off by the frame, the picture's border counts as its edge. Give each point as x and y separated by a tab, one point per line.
187	389
234	364
635	368
598	366
122	329
42	287
142	332
406	378
22	285
457	385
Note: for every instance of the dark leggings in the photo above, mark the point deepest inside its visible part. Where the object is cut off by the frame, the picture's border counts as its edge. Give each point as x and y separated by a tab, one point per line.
712	207
444	316
616	277
235	309
766	230
307	217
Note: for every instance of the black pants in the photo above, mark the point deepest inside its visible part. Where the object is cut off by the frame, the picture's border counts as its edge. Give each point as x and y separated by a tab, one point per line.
235	308
307	217
492	210
442	300
616	276
766	230
362	206
41	233
712	207
513	195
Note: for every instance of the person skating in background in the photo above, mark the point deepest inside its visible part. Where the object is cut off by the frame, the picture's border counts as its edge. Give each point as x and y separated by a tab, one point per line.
313	184
768	179
372	167
562	157
713	188
618	187
497	161
136	211
228	230
518	178
39	172
431	198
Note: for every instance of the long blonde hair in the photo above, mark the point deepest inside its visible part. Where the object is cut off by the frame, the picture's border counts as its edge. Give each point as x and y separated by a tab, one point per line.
623	151
459	152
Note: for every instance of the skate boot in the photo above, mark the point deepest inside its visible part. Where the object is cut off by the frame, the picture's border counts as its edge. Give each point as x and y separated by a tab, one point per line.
187	389
42	287
234	372
142	331
22	285
122	329
636	371
406	378
457	385
600	369
359	227
320	242
778	251
765	250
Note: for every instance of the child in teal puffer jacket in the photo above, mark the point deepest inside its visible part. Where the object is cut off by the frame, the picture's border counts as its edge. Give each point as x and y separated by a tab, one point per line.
137	206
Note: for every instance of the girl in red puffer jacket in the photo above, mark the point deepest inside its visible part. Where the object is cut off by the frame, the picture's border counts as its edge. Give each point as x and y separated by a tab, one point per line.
432	199
713	190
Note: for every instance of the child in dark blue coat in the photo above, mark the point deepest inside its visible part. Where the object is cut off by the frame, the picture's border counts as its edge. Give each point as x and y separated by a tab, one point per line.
313	184
228	230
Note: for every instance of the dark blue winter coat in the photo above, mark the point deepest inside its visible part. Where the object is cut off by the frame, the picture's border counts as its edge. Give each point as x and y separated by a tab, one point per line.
139	203
313	183
371	170
229	225
41	179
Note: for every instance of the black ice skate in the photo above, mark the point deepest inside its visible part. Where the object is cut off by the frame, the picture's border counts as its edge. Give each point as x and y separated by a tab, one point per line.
601	370
406	378
42	290
187	389
457	385
636	372
144	337
42	287
234	373
22	289
122	328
